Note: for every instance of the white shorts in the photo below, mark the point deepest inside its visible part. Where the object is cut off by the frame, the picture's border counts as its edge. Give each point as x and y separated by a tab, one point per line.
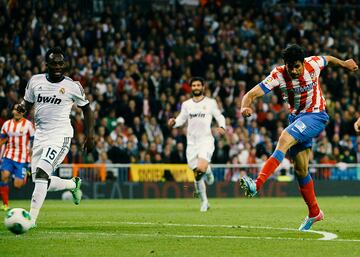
203	151
49	155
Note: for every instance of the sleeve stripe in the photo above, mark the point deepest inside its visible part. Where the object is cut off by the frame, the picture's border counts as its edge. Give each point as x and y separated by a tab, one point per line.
325	63
80	87
264	88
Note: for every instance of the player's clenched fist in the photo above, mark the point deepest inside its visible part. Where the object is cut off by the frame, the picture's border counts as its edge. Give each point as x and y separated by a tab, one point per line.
171	122
221	131
351	65
246	112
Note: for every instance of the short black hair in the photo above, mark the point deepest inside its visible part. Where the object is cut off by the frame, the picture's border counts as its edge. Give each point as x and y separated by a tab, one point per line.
55	50
293	53
202	80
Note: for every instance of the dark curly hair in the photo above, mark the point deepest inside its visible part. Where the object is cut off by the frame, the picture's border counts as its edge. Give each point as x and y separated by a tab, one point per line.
293	53
202	80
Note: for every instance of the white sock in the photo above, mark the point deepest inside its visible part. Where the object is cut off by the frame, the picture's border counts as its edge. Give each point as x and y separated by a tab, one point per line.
57	184
201	189
209	176
208	170
38	198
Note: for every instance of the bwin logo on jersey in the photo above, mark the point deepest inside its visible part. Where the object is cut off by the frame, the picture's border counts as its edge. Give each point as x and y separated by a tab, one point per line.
48	99
197	115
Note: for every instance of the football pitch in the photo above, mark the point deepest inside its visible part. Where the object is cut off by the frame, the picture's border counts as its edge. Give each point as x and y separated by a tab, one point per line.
175	227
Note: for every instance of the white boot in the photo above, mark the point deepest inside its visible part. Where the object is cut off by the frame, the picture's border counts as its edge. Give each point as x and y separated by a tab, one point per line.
204	206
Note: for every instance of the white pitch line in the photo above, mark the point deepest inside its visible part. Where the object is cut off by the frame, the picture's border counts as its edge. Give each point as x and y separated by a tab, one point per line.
111	234
326	235
219	237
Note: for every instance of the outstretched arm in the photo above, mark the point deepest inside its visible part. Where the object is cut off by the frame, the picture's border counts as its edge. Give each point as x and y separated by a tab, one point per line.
180	120
89	128
349	64
248	99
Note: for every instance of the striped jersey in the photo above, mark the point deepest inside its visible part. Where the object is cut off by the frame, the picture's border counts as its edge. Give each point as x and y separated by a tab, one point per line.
19	135
53	103
302	94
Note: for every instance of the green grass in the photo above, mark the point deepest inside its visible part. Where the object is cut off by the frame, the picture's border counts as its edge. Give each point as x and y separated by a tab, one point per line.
104	228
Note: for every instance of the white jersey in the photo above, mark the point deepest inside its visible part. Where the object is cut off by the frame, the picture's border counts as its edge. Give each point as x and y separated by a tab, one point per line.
199	116
53	103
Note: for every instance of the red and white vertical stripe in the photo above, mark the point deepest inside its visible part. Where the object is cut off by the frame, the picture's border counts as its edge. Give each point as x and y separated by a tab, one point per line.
18	134
304	93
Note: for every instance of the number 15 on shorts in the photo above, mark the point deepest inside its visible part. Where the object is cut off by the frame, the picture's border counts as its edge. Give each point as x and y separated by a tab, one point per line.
49	154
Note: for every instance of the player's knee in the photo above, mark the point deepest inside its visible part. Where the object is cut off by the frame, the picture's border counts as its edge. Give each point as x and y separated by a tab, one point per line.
5	176
18	183
202	168
41	174
301	173
301	168
285	141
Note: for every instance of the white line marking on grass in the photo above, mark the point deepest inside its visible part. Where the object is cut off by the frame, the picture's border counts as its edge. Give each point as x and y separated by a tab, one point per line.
239	237
112	234
326	235
216	237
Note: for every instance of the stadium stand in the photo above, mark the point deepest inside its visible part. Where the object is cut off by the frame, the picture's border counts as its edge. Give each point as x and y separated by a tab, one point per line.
135	62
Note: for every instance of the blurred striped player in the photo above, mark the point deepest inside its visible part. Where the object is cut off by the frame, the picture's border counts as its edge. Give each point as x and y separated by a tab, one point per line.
17	134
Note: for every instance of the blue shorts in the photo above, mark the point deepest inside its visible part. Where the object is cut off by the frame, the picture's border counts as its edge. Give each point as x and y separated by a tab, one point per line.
16	169
304	127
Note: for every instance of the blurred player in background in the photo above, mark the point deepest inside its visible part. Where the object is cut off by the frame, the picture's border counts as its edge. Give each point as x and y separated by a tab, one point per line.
357	125
299	83
199	112
18	134
53	95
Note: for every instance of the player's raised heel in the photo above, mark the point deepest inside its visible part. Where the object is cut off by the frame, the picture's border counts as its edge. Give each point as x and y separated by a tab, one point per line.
4	207
76	192
249	186
308	222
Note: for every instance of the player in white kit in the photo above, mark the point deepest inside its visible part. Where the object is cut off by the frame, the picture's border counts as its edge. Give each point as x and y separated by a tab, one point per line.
199	112
53	95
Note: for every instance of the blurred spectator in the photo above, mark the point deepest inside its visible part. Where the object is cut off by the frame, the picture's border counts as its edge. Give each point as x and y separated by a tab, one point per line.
74	155
178	155
221	153
134	68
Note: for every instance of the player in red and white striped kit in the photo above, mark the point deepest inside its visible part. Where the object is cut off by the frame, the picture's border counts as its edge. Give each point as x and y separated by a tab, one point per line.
299	83
17	133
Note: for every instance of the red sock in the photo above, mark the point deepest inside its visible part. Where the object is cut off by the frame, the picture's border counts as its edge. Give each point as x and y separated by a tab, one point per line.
270	166
4	193
306	187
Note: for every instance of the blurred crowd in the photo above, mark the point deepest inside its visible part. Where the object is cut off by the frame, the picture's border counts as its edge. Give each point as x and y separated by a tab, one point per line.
135	66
